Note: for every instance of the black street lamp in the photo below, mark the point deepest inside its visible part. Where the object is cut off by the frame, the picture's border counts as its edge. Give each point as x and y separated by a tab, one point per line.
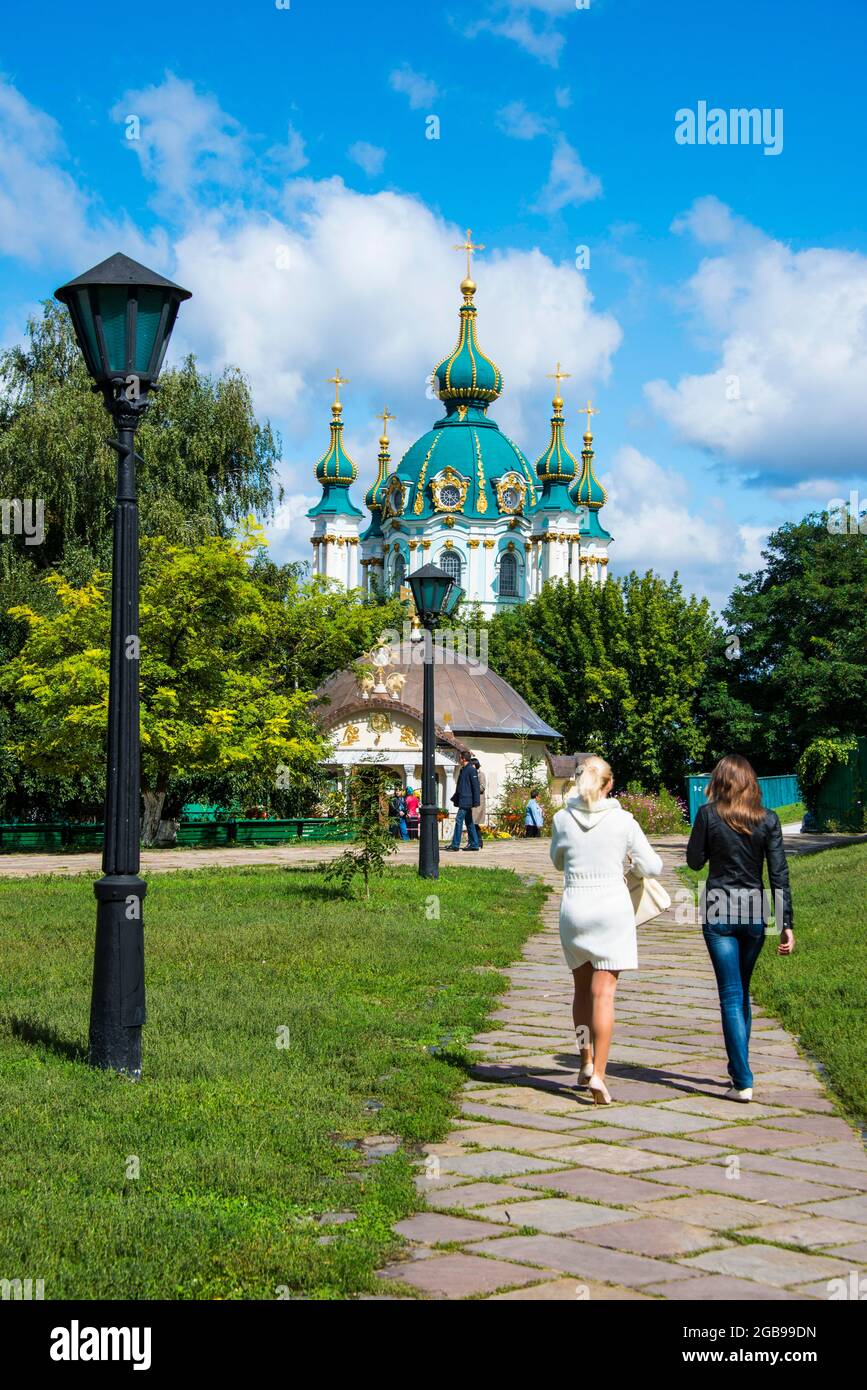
123	315
436	596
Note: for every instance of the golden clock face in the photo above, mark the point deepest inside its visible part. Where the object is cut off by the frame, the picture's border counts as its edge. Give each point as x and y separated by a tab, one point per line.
511	499
396	500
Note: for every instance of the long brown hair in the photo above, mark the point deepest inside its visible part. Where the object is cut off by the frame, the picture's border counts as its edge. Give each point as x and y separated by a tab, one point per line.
734	789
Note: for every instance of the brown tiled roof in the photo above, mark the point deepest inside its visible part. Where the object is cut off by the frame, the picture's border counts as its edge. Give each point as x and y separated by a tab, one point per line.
479	701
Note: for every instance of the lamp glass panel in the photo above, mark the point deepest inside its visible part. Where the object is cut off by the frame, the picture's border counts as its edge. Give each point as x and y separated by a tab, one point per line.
453	598
112	307
150	308
88	327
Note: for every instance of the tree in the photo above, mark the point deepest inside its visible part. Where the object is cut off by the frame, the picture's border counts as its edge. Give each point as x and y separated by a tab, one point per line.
615	669
216	708
207	461
796	668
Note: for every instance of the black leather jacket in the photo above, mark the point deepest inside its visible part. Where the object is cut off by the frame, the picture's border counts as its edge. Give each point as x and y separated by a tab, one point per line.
734	884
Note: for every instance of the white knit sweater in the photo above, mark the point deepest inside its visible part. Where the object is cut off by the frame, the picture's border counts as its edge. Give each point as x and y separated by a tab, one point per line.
590	843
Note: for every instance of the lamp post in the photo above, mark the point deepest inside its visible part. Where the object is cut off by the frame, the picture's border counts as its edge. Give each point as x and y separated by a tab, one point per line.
123	315
436	595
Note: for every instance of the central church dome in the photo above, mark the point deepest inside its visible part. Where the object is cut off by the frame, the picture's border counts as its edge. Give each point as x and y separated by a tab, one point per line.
465	441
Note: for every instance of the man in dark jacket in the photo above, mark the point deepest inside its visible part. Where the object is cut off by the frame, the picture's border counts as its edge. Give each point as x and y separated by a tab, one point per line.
466	797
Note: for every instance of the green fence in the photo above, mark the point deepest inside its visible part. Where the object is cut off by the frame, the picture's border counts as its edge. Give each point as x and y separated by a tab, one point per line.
840	804
776	791
45	837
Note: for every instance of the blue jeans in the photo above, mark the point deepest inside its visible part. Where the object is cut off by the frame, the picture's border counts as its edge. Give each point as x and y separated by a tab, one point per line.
402	828
465	817
734	949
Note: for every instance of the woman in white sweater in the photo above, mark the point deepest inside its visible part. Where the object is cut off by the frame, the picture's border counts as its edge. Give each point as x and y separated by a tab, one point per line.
591	839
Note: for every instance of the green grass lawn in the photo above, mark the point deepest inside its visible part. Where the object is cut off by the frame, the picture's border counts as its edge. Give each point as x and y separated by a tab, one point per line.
820	992
790	813
240	1143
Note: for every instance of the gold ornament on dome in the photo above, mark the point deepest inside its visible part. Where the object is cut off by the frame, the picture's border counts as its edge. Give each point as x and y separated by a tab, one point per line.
395	497
449	490
511	492
394	683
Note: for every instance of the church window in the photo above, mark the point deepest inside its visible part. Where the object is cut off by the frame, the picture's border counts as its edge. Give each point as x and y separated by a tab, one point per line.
399	574
452	565
508	576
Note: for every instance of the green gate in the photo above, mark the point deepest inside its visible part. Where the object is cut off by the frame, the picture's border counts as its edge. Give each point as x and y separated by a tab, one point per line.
840	803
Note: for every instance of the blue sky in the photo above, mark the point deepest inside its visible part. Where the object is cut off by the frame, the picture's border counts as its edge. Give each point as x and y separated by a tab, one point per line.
282	172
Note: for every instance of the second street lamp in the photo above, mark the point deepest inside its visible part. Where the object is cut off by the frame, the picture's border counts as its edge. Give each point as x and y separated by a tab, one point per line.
123	315
436	595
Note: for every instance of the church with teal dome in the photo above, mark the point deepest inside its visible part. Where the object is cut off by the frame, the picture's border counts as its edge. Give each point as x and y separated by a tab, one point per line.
464	495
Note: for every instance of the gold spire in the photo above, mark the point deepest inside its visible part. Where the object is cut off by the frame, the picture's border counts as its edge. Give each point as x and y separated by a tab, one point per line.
338	381
468	286
559	376
588	410
383	439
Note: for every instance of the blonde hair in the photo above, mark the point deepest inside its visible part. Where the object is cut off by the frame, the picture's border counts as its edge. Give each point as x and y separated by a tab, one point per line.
593	774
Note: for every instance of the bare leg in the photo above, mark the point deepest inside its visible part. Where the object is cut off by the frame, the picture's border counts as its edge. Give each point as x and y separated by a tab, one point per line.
582	1007
603	986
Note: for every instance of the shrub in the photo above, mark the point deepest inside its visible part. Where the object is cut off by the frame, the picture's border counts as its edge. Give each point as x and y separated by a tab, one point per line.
658	813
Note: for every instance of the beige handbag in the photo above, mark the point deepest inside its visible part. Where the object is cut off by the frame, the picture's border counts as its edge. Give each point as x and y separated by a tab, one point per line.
649	898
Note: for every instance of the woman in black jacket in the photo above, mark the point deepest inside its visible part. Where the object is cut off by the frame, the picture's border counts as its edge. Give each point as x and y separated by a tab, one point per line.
735	833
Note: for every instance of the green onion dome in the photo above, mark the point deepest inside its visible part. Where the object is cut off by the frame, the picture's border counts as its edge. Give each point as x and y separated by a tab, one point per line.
467	375
588	491
335	466
335	470
557	464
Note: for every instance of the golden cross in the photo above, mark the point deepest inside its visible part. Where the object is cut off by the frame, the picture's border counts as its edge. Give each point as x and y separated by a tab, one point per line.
588	411
559	376
469	248
338	381
385	419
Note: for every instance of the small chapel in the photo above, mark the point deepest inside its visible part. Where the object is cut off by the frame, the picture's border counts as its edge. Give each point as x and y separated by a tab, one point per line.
465	498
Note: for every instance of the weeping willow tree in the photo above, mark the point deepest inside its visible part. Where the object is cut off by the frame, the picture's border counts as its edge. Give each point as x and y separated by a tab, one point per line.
208	462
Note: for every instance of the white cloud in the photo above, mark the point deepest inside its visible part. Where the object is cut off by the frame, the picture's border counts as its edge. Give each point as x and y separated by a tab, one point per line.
569	183
786	398
291	157
517	122
45	217
514	20
419	90
186	141
655	526
368	157
563	97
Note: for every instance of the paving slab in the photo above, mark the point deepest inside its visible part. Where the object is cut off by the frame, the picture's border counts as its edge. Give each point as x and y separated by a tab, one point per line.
496	1163
578	1257
591	1185
554	1215
719	1213
816	1232
476	1194
654	1235
720	1288
433	1228
768	1264
846	1208
568	1290
614	1158
460	1276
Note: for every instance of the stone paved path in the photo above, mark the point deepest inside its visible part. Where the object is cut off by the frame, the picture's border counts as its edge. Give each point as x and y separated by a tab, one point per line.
672	1192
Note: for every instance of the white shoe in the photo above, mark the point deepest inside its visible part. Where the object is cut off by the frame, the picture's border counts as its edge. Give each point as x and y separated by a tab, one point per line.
734	1094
